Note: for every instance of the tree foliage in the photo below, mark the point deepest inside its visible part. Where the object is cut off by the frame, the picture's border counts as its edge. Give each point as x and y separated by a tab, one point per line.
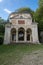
39	15
40	3
22	10
26	10
2	26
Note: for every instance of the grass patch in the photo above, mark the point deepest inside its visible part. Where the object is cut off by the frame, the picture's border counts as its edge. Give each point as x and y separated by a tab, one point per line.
11	54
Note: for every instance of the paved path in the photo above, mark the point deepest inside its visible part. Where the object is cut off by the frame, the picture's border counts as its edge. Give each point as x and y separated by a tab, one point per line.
34	58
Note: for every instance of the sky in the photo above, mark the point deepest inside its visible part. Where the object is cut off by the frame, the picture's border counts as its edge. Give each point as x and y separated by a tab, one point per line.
9	6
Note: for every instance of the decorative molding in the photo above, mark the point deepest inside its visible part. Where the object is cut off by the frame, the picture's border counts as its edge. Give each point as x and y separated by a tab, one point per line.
19	16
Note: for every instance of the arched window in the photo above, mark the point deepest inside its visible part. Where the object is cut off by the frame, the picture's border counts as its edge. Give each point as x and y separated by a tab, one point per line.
21	34
13	34
29	32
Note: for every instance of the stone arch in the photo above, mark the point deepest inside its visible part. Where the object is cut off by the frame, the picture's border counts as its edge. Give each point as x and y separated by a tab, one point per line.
28	34
13	34
21	34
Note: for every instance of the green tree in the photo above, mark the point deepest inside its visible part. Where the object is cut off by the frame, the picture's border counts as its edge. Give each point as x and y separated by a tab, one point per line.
2	29
40	3
2	26
39	15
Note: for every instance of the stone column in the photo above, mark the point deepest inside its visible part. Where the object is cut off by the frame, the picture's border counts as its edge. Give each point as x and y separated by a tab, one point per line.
25	36
16	35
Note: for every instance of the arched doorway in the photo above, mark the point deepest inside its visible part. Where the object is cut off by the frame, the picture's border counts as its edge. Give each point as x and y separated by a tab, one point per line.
29	32
13	34
21	34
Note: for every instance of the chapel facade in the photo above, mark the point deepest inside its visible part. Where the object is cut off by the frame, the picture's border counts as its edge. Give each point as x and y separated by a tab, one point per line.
21	29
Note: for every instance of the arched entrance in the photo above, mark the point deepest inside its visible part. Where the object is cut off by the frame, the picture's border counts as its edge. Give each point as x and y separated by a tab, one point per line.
13	34
21	34
29	32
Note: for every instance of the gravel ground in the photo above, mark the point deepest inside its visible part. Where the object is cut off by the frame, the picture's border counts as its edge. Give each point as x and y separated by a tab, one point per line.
34	58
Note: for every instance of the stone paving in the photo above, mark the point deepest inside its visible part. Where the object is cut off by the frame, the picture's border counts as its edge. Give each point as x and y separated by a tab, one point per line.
34	58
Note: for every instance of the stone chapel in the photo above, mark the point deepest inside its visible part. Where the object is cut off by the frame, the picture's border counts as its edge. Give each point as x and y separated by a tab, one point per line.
21	29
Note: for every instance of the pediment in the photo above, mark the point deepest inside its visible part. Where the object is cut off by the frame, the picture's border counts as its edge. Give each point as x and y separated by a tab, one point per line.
20	16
